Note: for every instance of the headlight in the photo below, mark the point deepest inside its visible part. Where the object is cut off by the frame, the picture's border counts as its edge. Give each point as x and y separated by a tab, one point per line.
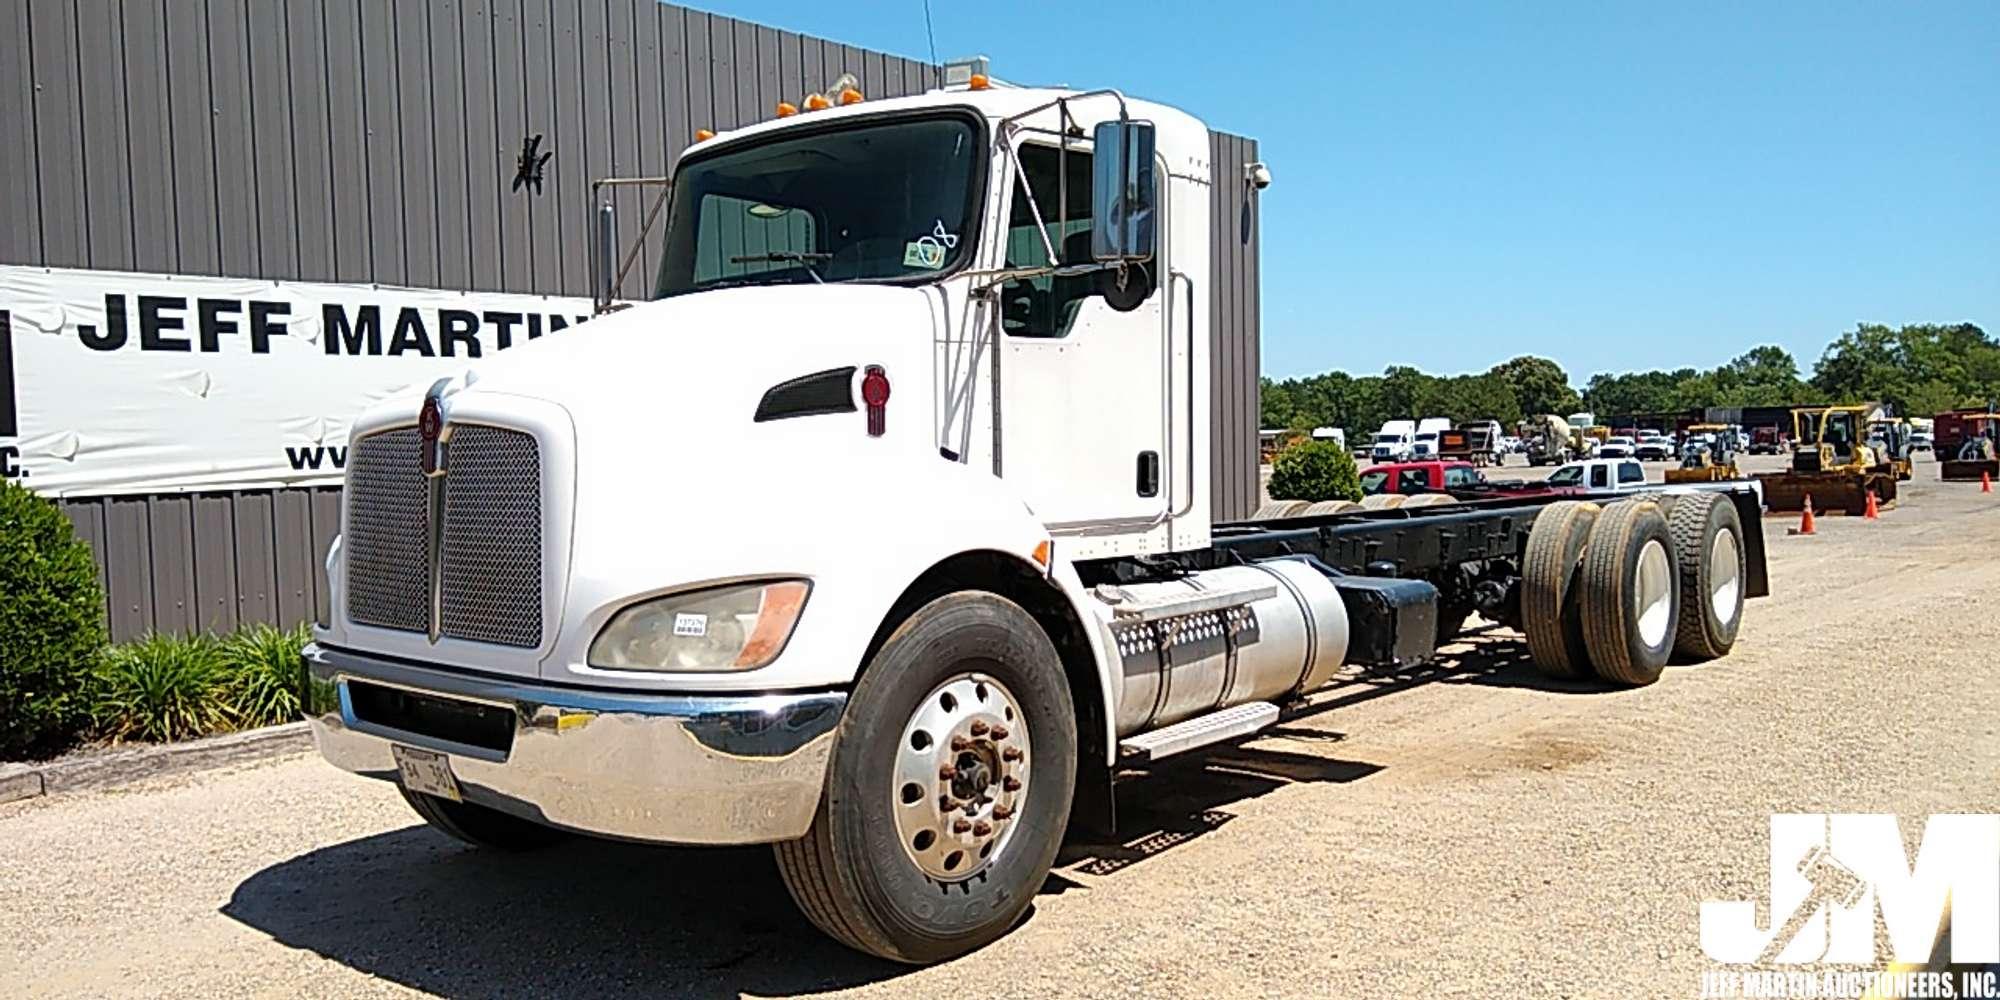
738	627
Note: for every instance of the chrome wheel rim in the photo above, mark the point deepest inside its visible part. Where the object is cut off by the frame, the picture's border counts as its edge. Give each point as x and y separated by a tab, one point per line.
1653	586
961	777
1723	581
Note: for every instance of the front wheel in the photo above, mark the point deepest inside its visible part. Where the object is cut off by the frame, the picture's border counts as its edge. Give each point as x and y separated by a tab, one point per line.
481	826
949	787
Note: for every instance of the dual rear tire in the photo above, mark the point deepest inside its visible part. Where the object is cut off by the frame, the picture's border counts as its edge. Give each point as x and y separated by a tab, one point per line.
1618	591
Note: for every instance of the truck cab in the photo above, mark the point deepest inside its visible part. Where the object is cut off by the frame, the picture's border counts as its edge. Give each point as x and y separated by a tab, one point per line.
1394	442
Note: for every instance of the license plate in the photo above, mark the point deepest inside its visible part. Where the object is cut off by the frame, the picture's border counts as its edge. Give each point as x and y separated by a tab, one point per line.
426	772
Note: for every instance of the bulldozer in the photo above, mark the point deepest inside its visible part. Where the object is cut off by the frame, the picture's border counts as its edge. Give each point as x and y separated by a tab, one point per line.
1965	445
1832	464
1709	459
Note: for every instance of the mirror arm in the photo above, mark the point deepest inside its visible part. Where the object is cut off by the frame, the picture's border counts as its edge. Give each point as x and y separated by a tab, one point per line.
605	286
1123	115
1021	175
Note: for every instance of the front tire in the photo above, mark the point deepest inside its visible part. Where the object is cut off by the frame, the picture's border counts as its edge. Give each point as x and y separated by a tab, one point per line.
481	826
949	788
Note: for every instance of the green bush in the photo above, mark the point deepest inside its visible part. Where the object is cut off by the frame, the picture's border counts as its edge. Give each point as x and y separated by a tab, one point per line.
163	687
1315	470
263	672
51	626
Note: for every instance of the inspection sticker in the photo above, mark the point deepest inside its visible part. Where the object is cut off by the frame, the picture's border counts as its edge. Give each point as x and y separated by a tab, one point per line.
923	253
691	625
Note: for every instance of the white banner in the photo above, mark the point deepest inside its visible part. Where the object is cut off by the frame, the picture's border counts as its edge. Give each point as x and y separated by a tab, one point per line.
113	382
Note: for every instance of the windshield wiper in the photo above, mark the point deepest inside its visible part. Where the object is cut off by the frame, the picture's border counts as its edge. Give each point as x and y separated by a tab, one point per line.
788	256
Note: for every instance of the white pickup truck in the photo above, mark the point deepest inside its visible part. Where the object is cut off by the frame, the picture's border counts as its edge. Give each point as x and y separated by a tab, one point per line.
1626	475
885	537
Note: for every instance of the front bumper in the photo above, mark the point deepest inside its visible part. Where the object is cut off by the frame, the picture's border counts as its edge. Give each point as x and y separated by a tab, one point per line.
666	768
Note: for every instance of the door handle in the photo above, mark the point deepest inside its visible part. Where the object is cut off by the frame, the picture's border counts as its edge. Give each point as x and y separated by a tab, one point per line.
1148	477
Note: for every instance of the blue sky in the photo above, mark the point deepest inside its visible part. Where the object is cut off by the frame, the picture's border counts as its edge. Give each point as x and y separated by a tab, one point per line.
1614	185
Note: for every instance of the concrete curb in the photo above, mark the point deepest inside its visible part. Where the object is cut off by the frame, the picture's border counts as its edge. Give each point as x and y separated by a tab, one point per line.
123	765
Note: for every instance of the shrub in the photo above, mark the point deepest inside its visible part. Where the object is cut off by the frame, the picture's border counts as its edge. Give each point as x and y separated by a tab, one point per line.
1315	470
51	625
263	673
161	688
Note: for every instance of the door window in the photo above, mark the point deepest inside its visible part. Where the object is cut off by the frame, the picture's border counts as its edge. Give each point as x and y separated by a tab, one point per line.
1047	306
1413	481
1459	477
1600	478
1630	472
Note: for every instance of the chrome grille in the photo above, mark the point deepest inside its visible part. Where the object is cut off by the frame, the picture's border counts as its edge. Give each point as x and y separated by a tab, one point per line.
387	535
492	567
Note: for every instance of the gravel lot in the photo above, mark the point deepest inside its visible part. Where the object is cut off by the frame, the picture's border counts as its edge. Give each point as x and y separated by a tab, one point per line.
1471	830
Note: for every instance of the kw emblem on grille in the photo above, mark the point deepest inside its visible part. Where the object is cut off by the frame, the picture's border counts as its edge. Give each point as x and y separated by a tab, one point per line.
436	447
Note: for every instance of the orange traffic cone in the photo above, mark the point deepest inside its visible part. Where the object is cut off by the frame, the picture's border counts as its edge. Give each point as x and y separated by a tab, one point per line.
1985	482
1806	521
1870	513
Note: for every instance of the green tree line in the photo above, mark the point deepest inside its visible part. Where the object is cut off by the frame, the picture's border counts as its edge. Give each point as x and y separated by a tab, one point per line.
1920	369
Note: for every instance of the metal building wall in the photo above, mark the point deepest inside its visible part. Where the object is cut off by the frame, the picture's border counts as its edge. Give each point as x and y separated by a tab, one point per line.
368	140
376	141
1234	322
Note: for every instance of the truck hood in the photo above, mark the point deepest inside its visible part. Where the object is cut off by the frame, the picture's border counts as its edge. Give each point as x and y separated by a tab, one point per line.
712	355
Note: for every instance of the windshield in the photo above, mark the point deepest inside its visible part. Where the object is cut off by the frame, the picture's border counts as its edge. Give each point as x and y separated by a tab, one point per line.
1388	438
1568	475
881	201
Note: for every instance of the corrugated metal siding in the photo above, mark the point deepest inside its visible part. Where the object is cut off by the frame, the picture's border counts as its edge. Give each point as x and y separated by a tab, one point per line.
369	140
1233	314
376	140
207	562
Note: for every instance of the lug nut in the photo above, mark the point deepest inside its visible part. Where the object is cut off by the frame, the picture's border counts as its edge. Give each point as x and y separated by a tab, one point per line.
960	744
1011	753
946	803
1002	812
1010	783
978	727
999	732
981	828
960	826
947	772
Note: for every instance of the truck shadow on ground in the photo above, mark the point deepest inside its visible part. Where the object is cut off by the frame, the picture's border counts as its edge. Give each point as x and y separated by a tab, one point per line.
594	918
587	918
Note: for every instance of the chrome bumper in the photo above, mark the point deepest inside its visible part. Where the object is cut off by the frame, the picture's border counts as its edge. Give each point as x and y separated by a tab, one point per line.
689	769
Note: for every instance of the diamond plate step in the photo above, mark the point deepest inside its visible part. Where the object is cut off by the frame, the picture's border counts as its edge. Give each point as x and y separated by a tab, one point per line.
1200	731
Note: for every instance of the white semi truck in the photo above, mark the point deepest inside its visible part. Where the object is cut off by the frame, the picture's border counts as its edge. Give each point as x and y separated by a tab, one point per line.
883	533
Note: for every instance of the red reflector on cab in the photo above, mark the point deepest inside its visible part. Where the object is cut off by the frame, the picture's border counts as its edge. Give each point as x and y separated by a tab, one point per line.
875	393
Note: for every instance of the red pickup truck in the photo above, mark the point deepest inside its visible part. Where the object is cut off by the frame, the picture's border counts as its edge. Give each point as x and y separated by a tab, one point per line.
1411	478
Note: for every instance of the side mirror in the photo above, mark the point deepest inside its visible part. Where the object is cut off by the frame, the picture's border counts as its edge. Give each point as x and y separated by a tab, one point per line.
1122	192
603	253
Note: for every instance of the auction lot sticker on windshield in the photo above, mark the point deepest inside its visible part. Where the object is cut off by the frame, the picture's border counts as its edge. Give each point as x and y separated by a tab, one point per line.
426	772
923	253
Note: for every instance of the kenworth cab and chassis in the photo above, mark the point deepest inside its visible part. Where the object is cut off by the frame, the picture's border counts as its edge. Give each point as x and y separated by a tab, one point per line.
883	533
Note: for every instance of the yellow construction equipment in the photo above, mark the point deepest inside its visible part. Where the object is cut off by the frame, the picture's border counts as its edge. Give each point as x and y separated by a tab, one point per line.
1708	456
1832	463
1890	436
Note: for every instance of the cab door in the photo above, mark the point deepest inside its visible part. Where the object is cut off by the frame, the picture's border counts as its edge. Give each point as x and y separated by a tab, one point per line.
1083	384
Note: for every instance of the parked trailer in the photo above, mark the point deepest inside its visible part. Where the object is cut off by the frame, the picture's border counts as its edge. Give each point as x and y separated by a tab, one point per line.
547	618
1964	444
